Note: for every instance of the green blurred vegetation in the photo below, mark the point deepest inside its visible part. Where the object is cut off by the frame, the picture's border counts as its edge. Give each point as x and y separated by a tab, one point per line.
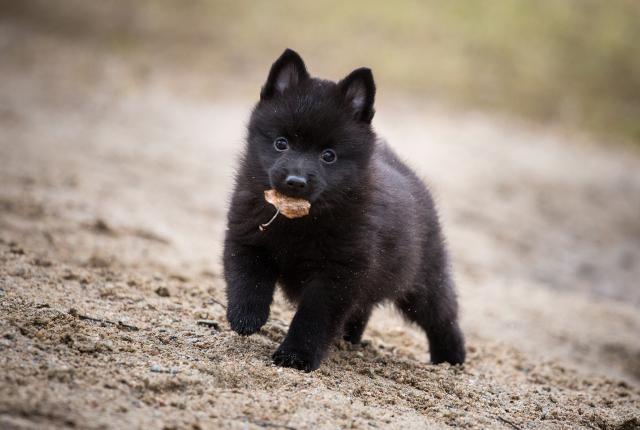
574	62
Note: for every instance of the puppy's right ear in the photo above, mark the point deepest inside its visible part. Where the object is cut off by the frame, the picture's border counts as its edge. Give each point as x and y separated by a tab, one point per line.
287	72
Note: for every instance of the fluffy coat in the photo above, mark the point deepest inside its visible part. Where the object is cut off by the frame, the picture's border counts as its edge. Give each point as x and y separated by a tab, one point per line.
372	233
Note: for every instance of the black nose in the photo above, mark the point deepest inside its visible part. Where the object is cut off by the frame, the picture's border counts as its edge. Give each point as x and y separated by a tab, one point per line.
296	182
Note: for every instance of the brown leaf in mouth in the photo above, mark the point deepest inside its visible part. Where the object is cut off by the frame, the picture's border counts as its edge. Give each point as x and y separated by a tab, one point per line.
290	207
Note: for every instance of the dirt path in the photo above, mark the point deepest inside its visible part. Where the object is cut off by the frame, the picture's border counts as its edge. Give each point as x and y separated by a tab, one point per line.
112	205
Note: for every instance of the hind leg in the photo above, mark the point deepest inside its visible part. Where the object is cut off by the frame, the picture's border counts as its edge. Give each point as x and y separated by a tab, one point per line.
433	307
355	325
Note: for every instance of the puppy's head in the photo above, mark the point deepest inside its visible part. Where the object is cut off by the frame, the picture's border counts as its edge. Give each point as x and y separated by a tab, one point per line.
312	138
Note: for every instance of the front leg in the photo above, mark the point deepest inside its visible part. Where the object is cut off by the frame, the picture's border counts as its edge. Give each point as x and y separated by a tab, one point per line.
317	322
251	278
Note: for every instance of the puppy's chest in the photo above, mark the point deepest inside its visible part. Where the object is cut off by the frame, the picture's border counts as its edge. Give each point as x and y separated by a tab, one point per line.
294	251
326	259
302	255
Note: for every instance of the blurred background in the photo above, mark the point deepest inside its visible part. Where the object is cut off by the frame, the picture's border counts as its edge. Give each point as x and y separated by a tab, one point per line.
573	62
121	123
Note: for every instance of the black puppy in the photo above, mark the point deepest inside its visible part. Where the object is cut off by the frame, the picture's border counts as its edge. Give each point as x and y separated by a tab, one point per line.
372	233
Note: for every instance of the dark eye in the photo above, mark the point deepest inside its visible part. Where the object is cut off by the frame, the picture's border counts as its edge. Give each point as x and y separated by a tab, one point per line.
281	144
328	156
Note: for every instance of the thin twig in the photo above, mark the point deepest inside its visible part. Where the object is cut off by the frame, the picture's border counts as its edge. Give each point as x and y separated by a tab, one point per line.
506	421
127	326
209	323
74	312
263	227
212	300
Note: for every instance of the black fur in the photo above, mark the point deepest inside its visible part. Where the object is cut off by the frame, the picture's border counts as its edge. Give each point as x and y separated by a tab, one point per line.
372	233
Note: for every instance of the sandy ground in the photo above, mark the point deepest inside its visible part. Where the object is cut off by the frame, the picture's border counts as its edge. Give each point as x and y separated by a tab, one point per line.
112	207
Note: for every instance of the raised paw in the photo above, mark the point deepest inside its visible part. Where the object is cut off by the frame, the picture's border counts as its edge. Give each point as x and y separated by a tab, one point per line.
297	359
353	338
354	328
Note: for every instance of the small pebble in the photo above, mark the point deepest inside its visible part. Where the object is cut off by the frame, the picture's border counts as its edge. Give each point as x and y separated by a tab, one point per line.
163	292
19	272
15	249
156	368
42	262
209	323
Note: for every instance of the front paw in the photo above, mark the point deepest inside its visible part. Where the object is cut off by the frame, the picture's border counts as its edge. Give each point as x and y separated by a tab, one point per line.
246	322
296	358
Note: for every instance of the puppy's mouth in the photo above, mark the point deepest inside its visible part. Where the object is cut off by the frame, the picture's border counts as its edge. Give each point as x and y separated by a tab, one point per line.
287	206
307	194
310	197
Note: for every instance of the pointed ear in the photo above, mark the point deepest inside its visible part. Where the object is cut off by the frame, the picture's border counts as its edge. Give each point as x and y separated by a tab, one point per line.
359	91
287	72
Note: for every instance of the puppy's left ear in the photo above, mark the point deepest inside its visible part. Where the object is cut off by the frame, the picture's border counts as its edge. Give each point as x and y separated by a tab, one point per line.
287	72
359	91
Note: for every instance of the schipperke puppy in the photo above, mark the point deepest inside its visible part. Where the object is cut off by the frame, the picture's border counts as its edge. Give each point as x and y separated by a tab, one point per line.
372	232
